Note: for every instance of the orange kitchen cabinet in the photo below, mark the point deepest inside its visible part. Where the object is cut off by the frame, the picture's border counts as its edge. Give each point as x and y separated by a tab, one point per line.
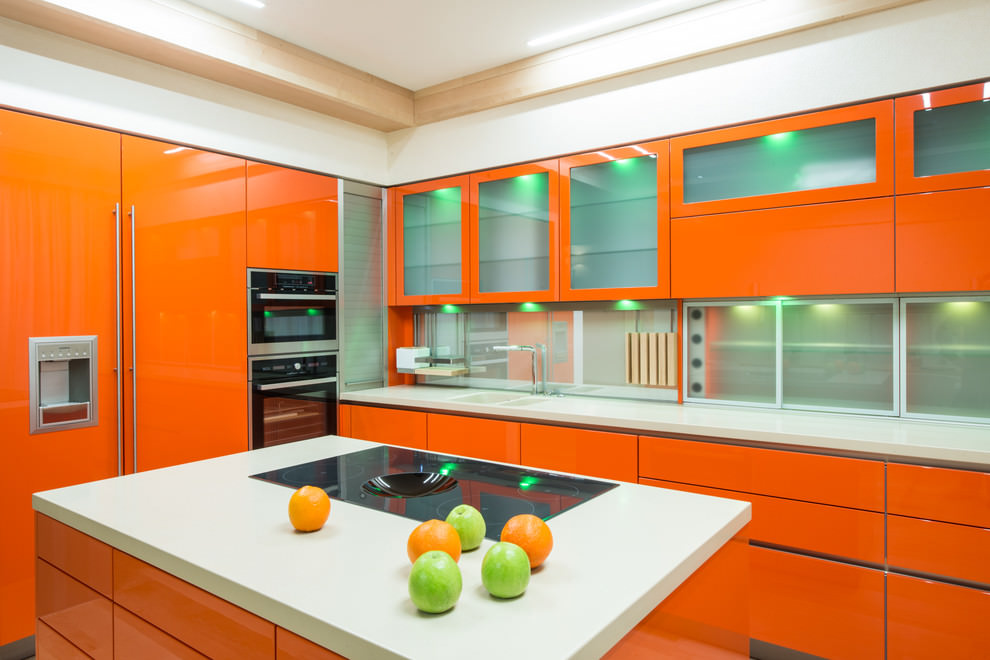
615	223
933	620
205	622
591	453
820	528
938	548
186	367
949	495
49	644
77	554
847	482
389	426
941	139
291	219
513	233
941	239
430	223
840	154
474	437
59	184
133	637
834	248
81	615
290	646
825	608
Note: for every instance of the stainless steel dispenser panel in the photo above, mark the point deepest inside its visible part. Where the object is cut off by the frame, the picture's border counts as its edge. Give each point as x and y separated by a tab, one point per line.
63	383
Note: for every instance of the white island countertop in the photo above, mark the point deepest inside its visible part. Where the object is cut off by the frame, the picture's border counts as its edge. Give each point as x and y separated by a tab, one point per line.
615	558
918	441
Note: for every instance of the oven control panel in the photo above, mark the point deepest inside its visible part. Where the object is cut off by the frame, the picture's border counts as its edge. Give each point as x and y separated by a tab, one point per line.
314	365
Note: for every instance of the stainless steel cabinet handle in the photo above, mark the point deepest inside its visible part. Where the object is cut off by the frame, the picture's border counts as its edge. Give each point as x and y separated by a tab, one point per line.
120	332
133	344
296	296
297	383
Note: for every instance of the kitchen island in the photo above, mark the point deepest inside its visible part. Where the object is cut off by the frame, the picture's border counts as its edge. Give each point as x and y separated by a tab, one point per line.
615	558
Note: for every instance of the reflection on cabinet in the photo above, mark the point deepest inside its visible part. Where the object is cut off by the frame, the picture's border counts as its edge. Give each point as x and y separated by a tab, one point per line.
405	428
827	156
291	219
943	139
591	453
474	437
614	224
835	248
513	233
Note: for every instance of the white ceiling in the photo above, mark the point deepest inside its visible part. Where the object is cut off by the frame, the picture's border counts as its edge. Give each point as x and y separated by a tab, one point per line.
416	44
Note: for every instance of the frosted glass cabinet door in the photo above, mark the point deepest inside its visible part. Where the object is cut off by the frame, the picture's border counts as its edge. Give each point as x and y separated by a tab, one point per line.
514	234
432	242
615	224
943	139
825	156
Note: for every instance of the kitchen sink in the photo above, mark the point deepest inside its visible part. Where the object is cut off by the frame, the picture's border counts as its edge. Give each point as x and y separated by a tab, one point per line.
489	397
525	401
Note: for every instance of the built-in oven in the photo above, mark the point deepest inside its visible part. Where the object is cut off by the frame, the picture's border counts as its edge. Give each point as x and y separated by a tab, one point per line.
293	397
291	312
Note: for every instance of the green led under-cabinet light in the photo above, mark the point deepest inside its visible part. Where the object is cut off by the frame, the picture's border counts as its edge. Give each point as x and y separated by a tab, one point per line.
313	312
448	194
628	305
780	138
530	307
267	313
450	309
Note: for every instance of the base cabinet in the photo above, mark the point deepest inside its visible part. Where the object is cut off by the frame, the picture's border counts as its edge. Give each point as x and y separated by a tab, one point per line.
487	439
406	428
935	620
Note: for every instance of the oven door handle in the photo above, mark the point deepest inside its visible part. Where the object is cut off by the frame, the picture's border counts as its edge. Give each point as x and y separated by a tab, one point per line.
295	383
296	296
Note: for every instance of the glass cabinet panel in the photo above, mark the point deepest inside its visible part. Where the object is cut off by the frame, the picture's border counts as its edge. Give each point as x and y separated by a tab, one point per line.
514	234
807	159
952	138
838	355
613	224
431	242
732	353
947	358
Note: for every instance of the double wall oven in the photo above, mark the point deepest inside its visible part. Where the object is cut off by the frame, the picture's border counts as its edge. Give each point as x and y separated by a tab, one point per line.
292	355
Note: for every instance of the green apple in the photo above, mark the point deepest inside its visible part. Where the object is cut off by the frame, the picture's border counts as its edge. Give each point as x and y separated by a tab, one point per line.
435	582
505	570
470	525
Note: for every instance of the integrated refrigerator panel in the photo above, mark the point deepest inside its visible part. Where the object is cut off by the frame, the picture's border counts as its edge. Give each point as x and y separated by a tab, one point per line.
63	383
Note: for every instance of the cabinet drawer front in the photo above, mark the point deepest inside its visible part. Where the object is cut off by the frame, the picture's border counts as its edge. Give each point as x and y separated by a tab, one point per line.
847	482
49	644
941	239
290	646
406	428
935	620
487	439
957	551
80	555
837	248
592	453
205	622
815	606
820	528
957	496
133	637
73	610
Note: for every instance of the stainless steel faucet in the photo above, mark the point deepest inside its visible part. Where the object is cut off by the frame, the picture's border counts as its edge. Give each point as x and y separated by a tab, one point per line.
532	349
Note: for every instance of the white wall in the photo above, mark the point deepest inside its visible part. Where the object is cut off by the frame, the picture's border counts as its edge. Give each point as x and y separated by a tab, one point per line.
61	77
917	46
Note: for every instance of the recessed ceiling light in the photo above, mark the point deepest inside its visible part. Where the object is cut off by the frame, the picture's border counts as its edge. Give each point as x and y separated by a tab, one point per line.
660	9
257	4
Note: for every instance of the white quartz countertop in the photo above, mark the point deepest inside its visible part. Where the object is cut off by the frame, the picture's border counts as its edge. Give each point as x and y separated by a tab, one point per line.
615	558
951	444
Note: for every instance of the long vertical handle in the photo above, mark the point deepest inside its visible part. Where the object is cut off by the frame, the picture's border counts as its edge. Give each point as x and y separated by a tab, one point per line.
120	334
133	345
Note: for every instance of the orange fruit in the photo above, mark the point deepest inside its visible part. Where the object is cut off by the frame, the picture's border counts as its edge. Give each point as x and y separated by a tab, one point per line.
309	508
531	534
434	535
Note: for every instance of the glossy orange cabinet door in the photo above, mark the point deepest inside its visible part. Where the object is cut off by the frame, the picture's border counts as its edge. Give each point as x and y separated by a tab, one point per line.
942	239
50	644
615	223
835	248
79	614
291	219
474	437
956	496
429	223
190	290
133	637
59	184
942	140
932	620
77	554
290	646
815	606
938	548
389	426
832	155
513	233
591	453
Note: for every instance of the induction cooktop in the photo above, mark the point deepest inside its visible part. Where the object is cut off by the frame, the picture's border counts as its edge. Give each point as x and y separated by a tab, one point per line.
498	491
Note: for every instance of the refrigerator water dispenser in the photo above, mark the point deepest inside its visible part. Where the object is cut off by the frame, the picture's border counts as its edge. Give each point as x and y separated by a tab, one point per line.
63	382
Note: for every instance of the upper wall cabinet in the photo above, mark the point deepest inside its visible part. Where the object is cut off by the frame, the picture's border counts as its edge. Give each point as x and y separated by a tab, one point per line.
615	224
292	219
513	233
833	155
430	224
943	139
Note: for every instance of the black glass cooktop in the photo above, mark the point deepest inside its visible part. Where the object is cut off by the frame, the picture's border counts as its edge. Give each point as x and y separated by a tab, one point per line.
498	491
